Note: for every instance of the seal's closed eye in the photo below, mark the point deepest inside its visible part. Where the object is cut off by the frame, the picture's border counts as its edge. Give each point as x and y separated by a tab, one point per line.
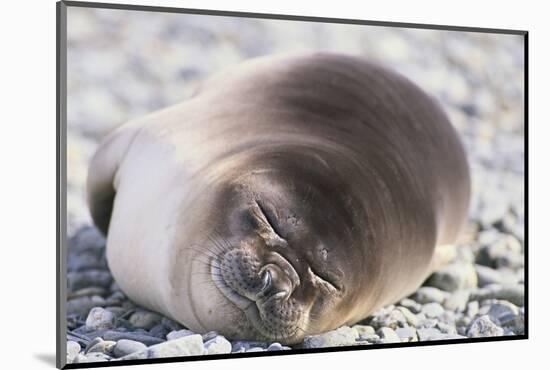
268	216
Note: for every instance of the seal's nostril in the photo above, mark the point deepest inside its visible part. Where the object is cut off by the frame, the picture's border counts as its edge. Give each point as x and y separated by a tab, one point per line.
286	267
275	282
266	279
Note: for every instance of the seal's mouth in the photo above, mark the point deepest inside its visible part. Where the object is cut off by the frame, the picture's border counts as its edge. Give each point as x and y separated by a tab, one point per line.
263	294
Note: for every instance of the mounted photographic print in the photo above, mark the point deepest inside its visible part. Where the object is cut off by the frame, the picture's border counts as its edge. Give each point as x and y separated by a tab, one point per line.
236	184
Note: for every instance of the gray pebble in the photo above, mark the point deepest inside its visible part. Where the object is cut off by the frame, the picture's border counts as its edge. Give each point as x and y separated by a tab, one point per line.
453	277
506	251
472	308
432	310
410	305
488	236
99	318
92	343
179	334
79	358
145	319
159	331
409	316
277	347
427	294
514	294
85	261
429	334
243	345
190	345
343	336
85	279
125	347
78	338
210	335
73	348
117	311
217	345
103	346
446	328
87	238
91	357
364	331
502	311
388	335
82	305
392	319
115	299
171	324
457	301
482	326
369	339
426	323
89	291
136	336
407	334
487	275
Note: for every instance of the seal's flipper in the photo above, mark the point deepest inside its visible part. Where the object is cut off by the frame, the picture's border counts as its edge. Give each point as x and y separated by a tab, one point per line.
102	183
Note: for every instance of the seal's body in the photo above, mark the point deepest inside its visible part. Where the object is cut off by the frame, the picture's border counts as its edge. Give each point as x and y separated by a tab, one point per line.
287	197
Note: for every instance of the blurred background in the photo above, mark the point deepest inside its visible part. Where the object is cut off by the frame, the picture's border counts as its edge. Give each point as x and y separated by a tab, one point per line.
125	64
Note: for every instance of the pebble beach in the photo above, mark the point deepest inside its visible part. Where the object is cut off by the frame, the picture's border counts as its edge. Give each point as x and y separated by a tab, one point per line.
124	64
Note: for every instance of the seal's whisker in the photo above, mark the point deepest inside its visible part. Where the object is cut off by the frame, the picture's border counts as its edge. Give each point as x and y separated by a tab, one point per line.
203	250
216	244
224	241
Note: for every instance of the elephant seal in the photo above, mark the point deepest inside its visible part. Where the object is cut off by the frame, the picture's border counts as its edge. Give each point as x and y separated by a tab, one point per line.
288	196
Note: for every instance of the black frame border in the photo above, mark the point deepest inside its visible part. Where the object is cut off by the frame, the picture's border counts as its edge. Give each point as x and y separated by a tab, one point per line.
61	179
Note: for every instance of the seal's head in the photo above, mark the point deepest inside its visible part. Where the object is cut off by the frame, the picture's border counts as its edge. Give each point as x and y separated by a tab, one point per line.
284	249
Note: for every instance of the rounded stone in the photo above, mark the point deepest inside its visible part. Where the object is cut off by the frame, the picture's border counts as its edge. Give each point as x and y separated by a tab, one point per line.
100	318
432	310
410	305
145	319
411	318
343	336
428	294
453	277
73	348
277	347
392	319
457	301
407	334
217	345
102	346
179	334
487	275
388	335
92	357
190	345
429	334
85	279
483	326
125	347
364	330
472	308
502	310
